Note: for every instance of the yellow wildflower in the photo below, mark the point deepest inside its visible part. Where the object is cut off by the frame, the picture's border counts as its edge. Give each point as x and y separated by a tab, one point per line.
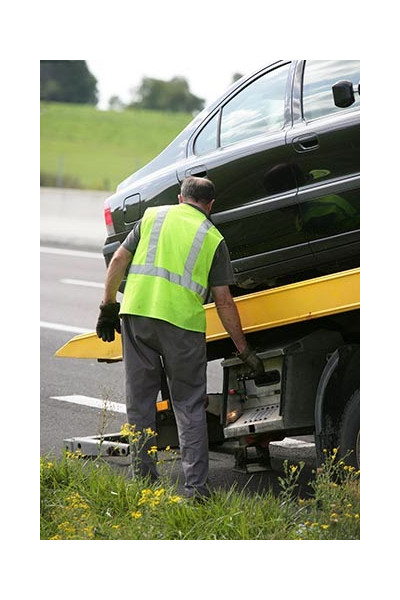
149	431
115	526
130	432
75	455
146	495
293	468
89	531
45	465
324	526
151	498
76	501
127	429
67	528
136	514
174	498
153	450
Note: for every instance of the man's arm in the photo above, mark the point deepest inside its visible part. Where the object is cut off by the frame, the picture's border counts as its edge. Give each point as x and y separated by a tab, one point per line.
228	313
230	319
115	274
108	322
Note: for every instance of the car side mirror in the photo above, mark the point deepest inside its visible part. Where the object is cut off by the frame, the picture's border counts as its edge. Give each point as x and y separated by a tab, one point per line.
343	94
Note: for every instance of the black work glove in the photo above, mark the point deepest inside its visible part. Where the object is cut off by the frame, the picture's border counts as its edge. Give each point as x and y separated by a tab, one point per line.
250	358
108	321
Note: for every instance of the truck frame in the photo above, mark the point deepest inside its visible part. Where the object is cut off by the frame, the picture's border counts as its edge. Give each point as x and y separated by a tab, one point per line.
308	336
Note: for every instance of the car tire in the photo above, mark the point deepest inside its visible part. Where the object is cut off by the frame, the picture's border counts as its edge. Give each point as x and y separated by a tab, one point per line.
349	434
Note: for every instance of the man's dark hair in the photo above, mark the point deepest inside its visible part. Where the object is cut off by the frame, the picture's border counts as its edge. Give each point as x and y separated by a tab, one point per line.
198	189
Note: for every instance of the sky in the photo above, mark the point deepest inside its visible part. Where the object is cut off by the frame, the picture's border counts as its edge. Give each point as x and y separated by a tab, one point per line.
207	78
207	42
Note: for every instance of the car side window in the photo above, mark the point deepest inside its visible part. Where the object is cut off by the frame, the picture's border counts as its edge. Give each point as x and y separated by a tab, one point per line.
206	141
256	110
319	77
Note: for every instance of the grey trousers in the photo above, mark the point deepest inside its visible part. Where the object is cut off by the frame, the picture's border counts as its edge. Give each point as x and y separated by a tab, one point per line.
184	356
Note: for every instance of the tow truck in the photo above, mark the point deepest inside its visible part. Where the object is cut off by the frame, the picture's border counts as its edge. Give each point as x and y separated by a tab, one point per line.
308	336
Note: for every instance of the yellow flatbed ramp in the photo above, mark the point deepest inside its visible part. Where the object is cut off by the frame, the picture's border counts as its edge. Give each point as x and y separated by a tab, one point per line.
310	299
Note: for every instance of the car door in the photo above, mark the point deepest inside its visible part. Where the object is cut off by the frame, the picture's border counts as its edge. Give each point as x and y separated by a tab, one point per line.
242	149
324	144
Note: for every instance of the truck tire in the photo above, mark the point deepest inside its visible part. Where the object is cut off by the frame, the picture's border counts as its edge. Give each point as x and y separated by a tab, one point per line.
349	435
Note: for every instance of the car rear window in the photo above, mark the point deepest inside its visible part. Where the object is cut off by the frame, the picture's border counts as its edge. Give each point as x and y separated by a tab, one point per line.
256	110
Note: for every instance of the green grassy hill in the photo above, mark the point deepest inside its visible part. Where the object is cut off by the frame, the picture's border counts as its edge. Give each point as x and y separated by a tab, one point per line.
96	149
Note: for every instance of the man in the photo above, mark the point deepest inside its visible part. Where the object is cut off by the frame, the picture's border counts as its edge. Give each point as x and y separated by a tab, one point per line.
176	256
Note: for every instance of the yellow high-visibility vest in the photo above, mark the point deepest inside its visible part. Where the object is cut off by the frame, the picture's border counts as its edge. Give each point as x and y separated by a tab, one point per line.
168	276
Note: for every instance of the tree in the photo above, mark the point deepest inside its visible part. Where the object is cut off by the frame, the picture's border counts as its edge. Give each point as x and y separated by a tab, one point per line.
173	95
67	81
115	103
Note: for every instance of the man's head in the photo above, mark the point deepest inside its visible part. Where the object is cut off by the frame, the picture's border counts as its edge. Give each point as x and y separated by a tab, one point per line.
198	190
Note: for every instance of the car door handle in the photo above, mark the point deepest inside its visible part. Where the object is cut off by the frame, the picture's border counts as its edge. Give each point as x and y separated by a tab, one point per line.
198	171
306	143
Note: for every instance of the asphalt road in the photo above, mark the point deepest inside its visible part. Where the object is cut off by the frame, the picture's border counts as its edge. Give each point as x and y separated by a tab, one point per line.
71	291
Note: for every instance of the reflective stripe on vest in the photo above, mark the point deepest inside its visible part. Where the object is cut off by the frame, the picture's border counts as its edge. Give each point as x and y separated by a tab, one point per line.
185	280
168	276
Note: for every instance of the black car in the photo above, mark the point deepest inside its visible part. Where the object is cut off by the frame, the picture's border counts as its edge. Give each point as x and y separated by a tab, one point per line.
282	148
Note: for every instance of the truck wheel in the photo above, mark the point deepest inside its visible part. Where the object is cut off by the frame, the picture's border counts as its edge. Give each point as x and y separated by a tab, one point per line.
349	436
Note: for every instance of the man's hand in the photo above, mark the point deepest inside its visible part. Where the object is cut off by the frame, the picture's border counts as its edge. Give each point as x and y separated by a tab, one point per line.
250	358
108	321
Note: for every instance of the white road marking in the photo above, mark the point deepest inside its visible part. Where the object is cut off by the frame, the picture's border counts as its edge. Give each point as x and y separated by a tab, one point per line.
82	282
92	402
60	327
67	252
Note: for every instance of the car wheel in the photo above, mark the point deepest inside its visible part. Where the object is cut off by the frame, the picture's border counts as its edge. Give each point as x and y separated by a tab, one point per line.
349	434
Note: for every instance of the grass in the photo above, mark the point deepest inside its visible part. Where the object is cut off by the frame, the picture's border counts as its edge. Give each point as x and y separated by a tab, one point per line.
96	149
88	499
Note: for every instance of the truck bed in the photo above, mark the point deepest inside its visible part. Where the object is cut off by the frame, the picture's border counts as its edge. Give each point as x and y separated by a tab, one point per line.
295	303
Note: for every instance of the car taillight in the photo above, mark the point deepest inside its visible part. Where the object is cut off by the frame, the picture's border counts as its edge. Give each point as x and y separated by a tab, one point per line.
108	219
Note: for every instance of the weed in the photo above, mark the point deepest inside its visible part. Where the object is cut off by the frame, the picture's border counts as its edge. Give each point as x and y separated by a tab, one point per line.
84	499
